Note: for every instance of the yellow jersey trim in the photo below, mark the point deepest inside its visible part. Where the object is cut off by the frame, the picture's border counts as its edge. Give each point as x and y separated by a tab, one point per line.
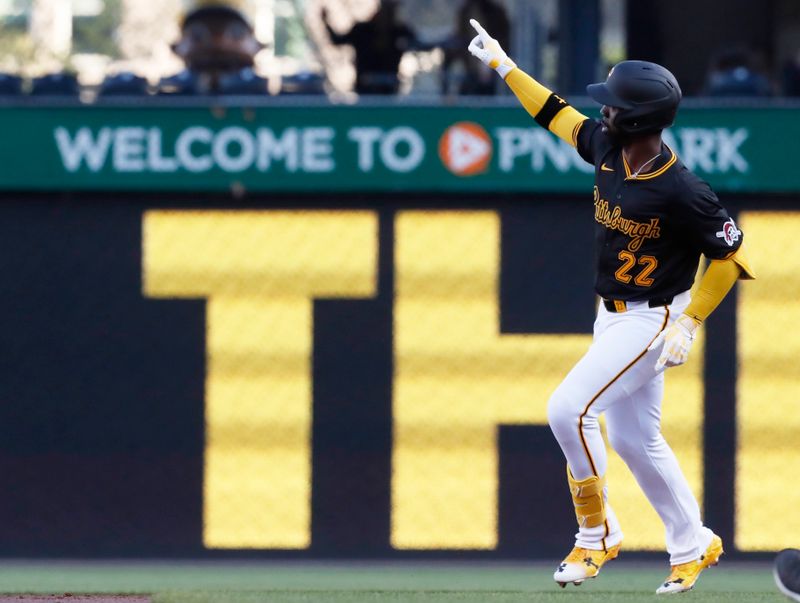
650	175
575	131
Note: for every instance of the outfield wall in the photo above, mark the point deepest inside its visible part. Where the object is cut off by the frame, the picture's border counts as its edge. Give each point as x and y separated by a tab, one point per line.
352	375
315	331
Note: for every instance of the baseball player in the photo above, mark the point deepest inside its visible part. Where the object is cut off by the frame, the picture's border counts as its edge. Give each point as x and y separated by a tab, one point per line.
654	218
787	573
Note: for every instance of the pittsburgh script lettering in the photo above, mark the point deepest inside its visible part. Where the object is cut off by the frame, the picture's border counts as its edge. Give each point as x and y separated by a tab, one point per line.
613	219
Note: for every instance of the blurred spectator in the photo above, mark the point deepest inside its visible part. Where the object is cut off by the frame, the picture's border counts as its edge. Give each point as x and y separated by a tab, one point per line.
733	74
473	77
185	83
791	75
218	46
379	45
56	84
10	85
123	84
243	82
303	82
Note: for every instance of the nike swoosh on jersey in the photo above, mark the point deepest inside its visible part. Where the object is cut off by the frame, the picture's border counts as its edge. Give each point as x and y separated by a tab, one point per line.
605	168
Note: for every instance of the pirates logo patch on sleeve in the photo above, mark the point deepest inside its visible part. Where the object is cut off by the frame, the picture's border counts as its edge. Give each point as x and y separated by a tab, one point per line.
729	233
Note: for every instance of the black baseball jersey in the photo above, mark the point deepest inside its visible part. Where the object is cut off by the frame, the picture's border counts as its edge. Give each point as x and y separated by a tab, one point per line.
651	229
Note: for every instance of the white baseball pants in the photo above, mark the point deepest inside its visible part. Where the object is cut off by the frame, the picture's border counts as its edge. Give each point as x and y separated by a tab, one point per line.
617	376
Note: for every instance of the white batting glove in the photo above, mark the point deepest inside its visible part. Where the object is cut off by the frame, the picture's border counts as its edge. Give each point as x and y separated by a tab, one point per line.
488	50
677	340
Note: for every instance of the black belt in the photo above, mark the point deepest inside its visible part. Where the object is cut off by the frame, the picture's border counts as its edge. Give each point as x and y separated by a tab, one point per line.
618	305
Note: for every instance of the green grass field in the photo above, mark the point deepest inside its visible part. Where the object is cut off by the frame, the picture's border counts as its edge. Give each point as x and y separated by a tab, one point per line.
376	582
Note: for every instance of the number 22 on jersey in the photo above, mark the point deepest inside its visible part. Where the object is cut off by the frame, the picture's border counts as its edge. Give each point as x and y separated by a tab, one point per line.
629	261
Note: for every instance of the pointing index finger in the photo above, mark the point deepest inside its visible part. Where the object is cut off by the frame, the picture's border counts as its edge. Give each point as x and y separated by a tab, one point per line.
481	31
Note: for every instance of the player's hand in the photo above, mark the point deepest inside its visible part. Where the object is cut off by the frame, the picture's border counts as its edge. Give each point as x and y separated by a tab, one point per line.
677	340
488	50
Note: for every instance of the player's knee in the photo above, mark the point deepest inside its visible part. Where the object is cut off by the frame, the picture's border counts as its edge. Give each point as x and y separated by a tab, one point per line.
655	444
625	444
562	415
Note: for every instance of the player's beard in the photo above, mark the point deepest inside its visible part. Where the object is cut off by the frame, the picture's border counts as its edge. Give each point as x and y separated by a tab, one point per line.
618	137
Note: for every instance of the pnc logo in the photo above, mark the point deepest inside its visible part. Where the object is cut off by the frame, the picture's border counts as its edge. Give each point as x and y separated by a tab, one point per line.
465	149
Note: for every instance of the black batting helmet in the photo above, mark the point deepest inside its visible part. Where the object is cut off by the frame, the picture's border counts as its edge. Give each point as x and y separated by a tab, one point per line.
647	96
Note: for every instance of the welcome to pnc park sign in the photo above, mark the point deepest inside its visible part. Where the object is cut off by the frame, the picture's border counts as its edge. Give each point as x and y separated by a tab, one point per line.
409	149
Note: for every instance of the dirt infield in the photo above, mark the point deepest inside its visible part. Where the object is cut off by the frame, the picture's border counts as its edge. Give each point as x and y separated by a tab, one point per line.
69	598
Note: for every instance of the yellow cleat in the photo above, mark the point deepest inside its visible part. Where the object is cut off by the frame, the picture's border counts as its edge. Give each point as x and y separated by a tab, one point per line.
685	575
582	564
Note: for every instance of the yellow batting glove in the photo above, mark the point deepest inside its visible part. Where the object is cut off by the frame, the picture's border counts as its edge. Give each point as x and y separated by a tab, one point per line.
488	50
677	340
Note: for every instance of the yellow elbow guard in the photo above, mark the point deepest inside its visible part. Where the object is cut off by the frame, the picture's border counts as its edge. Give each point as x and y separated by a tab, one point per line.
587	496
567	123
548	109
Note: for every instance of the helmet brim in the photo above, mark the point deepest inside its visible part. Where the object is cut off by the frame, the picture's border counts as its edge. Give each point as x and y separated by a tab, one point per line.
601	94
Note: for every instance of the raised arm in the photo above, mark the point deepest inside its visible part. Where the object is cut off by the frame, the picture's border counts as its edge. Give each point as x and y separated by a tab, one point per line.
548	109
